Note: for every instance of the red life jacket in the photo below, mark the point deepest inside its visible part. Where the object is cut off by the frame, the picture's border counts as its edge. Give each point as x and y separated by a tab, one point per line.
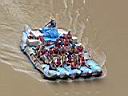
38	47
63	51
58	62
41	39
58	45
55	50
82	61
65	36
42	52
80	49
66	43
51	51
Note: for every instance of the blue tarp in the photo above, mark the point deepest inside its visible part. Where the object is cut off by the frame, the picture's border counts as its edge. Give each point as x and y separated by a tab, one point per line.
50	32
48	39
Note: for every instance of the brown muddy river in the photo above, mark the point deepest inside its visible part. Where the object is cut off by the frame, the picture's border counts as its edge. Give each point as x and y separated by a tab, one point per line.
99	24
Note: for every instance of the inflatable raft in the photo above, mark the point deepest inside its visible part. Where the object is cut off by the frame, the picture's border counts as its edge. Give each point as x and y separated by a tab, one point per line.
56	54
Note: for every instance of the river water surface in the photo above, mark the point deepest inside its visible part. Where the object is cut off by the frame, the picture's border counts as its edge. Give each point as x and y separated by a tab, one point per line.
99	24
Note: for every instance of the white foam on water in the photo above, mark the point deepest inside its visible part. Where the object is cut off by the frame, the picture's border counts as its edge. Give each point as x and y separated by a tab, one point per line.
100	57
33	73
76	20
14	58
6	26
84	1
65	4
87	19
5	62
72	2
11	47
82	30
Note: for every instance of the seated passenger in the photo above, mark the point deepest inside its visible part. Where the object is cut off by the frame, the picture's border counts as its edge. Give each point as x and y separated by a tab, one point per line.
41	39
69	57
30	35
66	42
73	64
55	50
82	61
69	36
39	50
58	62
63	51
65	36
64	57
73	48
51	52
80	48
38	47
46	61
52	65
43	52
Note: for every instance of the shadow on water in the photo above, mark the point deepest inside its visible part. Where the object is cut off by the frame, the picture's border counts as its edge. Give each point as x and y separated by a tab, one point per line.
77	81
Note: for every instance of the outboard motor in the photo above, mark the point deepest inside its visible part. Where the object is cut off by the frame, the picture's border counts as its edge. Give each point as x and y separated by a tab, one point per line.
52	23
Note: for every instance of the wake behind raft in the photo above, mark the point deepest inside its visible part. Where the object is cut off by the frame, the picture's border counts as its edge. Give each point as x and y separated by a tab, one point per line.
56	54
